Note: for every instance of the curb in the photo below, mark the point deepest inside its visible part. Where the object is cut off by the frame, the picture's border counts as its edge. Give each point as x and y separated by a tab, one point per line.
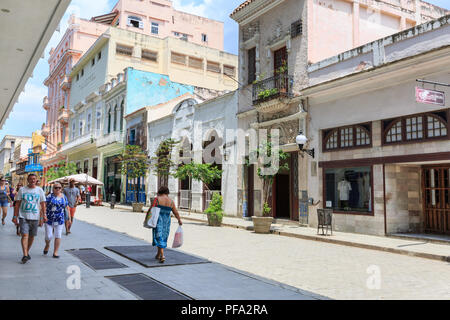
341	242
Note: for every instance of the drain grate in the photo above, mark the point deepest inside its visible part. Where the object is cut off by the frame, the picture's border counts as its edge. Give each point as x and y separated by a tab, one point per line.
147	288
145	255
95	259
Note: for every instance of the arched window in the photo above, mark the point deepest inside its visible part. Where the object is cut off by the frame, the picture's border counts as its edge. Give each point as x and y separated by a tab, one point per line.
115	118
355	136
417	127
109	120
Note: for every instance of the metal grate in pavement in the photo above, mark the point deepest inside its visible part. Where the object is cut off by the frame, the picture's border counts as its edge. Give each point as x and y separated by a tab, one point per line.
145	255
95	259
147	288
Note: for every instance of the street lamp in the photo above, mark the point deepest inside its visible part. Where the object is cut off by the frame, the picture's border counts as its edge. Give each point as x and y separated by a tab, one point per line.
301	140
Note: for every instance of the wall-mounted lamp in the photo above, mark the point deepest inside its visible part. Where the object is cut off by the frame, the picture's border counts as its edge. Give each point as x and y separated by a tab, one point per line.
301	140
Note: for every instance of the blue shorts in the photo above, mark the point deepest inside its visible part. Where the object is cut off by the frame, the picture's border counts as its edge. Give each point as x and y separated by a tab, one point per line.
4	203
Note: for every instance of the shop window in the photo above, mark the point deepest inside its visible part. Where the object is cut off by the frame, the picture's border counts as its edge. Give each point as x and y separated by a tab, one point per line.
349	189
356	136
417	127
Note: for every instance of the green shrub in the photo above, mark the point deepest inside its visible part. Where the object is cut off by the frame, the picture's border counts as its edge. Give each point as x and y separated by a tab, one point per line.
266	210
215	205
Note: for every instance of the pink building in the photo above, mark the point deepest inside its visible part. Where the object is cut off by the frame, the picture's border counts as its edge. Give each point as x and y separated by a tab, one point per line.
160	19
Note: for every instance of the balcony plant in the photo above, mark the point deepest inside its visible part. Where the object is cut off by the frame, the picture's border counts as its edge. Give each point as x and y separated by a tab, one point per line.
134	165
214	211
263	153
267	93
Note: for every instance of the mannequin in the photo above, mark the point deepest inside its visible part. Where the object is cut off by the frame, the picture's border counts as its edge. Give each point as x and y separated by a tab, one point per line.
344	188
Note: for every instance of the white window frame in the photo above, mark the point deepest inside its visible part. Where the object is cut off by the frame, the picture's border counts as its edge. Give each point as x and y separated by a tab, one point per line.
88	121
137	19
98	117
204	37
155	25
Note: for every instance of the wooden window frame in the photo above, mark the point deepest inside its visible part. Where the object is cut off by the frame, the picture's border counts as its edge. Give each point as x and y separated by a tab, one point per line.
211	66
125	51
338	129
175	54
424	115
355	213
148	55
195	63
227	69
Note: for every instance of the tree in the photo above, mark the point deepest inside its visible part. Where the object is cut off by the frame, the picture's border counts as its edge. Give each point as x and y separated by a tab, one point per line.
204	172
62	170
265	170
161	164
134	164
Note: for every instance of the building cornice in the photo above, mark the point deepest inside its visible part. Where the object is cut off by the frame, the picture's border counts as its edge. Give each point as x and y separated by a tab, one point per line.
253	10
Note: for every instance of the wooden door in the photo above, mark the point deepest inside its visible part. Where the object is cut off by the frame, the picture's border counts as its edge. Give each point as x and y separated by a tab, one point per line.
436	199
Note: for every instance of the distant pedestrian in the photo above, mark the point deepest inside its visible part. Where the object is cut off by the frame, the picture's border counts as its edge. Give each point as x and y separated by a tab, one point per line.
161	232
19	185
30	209
56	206
73	195
4	198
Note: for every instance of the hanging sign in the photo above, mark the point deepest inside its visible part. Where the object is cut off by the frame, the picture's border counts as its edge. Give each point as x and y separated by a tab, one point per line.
430	96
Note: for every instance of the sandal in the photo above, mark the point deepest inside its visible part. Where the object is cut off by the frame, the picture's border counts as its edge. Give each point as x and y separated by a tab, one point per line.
162	259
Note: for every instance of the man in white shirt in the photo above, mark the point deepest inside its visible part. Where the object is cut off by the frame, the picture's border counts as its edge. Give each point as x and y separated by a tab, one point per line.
30	210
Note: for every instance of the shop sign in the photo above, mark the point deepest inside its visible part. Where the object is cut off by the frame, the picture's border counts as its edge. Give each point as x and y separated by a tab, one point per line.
430	96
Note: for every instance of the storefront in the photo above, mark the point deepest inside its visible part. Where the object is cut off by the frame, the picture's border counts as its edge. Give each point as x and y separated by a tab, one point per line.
112	178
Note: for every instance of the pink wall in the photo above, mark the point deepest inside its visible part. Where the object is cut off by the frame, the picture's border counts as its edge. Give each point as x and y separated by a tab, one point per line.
170	21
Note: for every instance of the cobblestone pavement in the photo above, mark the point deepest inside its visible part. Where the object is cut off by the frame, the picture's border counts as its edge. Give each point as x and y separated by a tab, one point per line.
331	270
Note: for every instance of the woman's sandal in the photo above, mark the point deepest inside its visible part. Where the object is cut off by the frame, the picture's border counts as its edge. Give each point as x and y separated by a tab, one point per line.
162	259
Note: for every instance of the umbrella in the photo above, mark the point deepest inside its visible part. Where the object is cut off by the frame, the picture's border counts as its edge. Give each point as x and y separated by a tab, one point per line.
82	178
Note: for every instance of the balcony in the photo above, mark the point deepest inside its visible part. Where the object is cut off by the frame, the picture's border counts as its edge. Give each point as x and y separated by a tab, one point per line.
65	84
45	131
63	116
81	141
279	86
110	138
46	104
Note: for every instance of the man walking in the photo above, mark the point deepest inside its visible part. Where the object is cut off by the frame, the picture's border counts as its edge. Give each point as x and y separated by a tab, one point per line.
29	200
73	195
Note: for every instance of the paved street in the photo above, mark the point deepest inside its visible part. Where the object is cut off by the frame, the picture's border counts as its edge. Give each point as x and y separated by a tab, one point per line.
331	270
46	278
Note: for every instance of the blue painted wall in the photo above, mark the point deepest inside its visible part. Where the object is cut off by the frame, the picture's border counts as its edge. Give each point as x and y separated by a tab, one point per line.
149	89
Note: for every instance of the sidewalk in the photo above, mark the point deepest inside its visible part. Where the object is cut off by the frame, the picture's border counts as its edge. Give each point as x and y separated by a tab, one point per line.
422	248
45	278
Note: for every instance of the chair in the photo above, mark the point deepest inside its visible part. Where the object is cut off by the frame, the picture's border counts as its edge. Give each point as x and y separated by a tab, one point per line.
324	220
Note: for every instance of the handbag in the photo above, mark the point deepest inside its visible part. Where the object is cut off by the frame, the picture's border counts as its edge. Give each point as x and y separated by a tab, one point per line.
151	219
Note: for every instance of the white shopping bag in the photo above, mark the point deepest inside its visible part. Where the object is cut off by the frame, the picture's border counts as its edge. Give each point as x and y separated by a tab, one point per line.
178	239
153	221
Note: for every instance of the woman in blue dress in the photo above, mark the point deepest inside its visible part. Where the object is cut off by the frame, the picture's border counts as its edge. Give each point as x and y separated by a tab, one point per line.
56	204
161	232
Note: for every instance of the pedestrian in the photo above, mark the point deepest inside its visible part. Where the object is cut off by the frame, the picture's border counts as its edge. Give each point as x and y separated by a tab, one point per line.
30	209
161	232
56	206
4	198
73	195
19	185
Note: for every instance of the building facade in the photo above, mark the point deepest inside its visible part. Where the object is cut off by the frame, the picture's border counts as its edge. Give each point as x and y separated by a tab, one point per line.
383	163
274	56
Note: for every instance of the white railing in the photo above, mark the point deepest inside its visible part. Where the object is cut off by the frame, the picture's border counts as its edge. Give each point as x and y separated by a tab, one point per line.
108	138
87	137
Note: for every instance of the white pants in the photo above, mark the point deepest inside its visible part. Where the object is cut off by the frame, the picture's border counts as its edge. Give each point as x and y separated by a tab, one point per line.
55	230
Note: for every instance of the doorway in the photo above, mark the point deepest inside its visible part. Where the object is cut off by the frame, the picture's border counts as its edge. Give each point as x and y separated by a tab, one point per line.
436	198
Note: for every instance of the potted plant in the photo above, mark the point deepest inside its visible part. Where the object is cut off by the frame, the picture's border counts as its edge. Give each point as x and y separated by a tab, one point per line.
267	174
134	165
262	224
215	211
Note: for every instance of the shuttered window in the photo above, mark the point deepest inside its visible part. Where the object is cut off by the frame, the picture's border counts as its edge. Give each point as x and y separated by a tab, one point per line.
195	63
178	58
149	55
124	50
229	70
213	66
251	65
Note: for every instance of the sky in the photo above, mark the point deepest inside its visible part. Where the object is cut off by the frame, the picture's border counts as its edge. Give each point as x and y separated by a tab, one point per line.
28	115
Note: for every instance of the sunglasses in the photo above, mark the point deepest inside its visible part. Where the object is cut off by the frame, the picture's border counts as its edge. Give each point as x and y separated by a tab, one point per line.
56	188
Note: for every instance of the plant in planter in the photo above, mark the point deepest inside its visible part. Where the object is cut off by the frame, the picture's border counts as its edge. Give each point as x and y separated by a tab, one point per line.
267	93
263	153
215	211
134	165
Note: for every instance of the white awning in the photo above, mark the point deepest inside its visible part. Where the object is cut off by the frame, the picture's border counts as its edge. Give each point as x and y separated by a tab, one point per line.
26	27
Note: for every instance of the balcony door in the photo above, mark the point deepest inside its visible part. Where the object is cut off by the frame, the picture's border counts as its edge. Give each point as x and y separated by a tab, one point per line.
279	59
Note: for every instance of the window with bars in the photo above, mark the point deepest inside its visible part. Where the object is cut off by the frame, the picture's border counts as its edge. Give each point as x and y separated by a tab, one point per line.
355	136
213	66
229	70
178	58
195	63
149	55
251	65
124	50
417	127
296	28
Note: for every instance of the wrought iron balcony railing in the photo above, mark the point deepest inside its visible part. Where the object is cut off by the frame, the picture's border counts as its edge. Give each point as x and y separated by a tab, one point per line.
273	87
